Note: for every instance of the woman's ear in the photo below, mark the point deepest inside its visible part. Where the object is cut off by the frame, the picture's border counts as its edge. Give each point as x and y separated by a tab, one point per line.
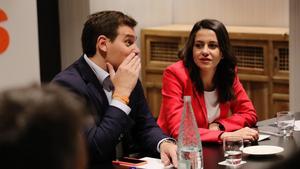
102	43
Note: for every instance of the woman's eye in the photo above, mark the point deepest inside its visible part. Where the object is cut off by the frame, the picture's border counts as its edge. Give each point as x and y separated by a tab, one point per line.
213	46
198	45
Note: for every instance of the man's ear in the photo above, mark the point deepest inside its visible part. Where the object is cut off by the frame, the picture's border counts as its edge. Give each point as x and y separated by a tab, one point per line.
102	43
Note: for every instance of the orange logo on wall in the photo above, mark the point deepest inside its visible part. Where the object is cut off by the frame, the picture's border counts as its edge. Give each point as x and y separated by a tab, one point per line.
4	37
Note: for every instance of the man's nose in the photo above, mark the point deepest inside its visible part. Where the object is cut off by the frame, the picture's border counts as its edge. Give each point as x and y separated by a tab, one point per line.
136	50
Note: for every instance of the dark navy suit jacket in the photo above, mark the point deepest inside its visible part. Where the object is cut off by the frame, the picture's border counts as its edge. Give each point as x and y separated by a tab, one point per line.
111	123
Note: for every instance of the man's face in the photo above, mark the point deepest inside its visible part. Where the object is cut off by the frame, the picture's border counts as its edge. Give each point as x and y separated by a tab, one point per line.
123	45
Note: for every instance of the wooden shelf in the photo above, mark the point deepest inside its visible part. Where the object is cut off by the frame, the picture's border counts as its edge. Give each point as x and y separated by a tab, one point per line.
262	54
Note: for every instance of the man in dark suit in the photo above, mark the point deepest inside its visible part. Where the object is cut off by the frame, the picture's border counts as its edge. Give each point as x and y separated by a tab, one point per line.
111	56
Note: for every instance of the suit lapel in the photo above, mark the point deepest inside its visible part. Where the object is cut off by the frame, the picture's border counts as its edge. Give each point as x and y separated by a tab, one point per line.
94	88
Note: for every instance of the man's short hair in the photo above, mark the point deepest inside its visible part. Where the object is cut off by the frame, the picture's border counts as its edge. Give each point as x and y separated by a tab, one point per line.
103	23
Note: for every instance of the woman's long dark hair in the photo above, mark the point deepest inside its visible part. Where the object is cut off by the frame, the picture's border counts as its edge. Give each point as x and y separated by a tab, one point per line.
225	73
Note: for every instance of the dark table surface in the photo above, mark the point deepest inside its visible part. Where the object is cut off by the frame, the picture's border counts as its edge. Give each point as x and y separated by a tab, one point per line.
213	153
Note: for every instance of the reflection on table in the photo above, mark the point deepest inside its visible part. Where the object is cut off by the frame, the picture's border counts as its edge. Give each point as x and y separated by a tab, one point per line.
213	152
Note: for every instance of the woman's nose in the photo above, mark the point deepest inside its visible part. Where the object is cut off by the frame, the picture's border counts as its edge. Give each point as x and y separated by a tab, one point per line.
204	50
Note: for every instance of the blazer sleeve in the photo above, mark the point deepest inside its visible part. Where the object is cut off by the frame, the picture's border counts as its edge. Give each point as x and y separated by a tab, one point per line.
145	131
104	135
174	84
243	111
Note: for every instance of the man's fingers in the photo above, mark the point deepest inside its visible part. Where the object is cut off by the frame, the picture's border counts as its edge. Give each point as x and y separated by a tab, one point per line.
134	62
174	159
138	67
137	62
128	59
165	160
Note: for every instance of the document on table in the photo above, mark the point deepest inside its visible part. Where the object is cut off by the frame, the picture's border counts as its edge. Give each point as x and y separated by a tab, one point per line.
154	163
263	137
268	129
297	125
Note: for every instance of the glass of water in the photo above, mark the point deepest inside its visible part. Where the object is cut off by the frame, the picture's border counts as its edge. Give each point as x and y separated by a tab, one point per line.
285	123
233	149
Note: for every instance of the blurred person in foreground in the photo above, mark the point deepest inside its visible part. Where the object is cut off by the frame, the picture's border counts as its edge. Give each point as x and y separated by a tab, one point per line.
40	128
207	72
106	76
290	162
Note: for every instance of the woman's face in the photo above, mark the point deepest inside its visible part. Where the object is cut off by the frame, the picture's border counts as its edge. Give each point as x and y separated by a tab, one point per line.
206	51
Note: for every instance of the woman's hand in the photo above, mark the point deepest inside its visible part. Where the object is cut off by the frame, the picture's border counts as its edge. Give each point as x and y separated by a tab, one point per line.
246	133
214	126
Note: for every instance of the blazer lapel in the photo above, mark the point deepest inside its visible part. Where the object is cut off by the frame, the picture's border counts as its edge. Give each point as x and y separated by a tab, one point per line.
94	88
200	99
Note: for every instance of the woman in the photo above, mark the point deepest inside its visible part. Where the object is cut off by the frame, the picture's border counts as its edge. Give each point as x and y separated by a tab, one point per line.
207	73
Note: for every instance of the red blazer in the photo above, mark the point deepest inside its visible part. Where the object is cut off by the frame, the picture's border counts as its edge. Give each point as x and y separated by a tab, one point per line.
176	82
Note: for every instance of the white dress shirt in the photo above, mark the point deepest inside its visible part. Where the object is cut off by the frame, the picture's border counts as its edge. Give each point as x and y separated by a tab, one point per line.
101	75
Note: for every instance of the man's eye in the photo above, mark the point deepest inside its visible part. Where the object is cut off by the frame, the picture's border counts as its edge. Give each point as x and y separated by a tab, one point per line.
128	43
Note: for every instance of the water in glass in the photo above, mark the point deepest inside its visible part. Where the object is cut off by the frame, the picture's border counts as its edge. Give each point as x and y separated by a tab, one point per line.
233	147
285	123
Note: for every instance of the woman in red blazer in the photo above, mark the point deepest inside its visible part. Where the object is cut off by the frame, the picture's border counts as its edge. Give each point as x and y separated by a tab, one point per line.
207	73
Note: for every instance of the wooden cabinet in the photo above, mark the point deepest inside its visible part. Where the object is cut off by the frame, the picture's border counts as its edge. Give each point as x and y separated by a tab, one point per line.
262	54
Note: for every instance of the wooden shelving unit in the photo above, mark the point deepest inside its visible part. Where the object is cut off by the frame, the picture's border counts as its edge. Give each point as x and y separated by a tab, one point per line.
262	54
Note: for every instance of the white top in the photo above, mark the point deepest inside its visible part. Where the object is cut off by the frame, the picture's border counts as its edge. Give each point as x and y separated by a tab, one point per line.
212	105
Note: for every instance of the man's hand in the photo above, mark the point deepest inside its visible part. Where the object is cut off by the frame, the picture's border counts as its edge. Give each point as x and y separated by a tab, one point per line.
168	154
125	78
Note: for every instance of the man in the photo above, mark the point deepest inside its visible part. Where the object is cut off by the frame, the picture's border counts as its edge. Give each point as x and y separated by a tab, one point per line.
111	53
40	127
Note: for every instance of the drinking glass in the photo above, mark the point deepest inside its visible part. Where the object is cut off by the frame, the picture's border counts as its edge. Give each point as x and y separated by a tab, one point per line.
285	123
233	149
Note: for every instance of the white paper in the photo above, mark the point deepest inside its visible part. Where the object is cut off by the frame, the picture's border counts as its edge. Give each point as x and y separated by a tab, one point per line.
297	125
154	163
263	137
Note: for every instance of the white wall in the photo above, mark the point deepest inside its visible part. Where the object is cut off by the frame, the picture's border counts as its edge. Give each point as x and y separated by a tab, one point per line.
162	12
294	55
72	15
19	64
230	12
145	12
233	12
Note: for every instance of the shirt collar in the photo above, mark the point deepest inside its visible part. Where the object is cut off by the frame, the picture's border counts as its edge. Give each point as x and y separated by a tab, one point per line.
99	72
